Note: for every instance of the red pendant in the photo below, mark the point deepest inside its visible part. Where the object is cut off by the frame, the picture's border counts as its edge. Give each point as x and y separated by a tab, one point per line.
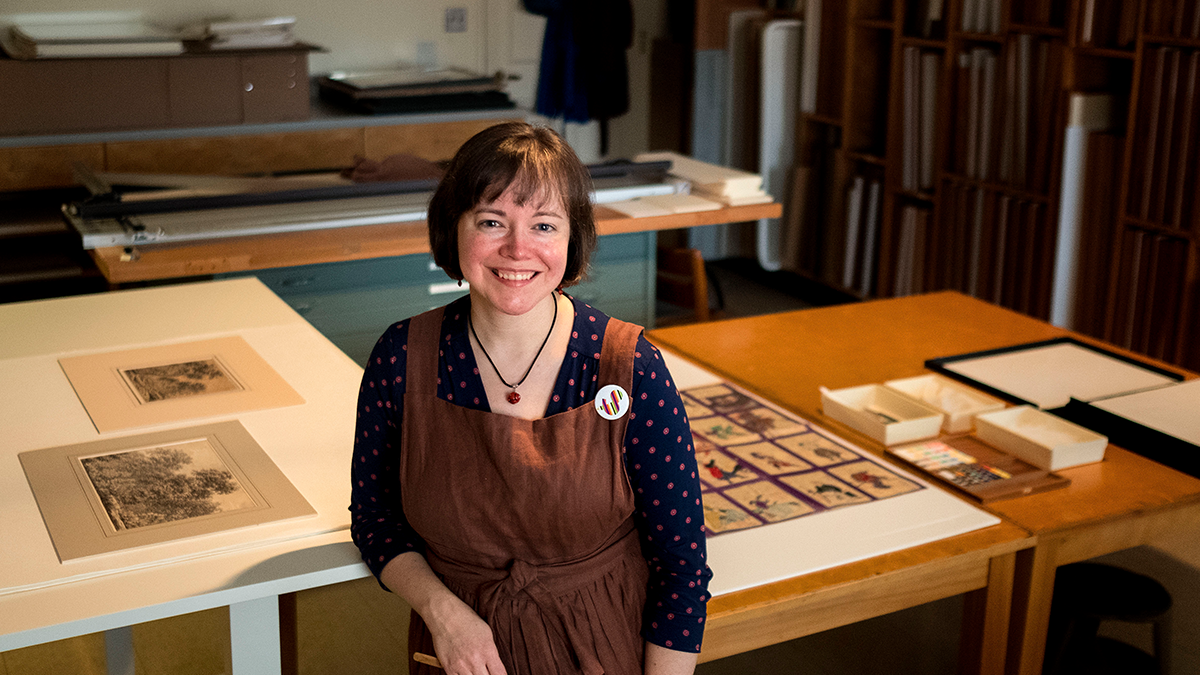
513	397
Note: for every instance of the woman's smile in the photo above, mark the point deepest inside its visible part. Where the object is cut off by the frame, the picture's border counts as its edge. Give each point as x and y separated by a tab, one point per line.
513	255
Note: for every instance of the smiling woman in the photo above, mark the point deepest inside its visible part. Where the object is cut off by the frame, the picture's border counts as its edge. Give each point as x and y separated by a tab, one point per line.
536	531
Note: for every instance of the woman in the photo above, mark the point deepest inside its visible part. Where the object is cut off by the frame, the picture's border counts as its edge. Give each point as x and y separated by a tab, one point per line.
529	532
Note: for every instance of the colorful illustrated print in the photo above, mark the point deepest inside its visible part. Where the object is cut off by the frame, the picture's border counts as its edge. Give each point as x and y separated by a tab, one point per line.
767	422
874	479
721	431
768	501
702	446
757	464
694	409
723	399
825	489
718	468
722	515
817	449
770	458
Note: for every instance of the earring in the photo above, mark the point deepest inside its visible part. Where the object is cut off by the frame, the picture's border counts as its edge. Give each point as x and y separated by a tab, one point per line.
460	283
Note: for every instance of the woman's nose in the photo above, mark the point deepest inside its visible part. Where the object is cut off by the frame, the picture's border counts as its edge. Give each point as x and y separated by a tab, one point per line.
516	243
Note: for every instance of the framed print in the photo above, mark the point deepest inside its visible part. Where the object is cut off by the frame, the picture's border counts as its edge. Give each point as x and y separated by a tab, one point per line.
171	383
1048	374
132	491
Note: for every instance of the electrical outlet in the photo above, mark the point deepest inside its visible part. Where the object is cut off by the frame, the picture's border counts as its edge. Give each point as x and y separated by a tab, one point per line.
456	19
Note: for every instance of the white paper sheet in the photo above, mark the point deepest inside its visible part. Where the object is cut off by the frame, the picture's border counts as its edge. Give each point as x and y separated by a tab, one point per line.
1050	376
760	555
1173	410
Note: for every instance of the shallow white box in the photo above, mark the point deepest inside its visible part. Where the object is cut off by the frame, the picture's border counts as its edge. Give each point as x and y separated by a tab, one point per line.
868	407
1044	440
958	402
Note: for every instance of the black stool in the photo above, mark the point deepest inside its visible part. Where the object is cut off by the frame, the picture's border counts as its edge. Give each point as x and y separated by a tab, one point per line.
1086	594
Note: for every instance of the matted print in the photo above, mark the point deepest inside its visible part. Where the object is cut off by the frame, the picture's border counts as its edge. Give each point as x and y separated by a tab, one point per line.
721	469
768	501
722	515
122	493
722	398
759	464
874	479
818	449
821	487
695	409
770	458
721	431
767	422
171	383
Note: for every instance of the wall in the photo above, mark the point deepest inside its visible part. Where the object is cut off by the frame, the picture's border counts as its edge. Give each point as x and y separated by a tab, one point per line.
356	33
363	34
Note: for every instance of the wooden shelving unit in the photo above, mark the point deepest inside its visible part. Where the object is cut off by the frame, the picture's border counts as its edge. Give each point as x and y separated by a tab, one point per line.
961	121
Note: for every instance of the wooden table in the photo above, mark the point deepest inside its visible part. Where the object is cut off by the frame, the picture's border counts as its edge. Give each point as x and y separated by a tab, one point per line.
239	254
1123	502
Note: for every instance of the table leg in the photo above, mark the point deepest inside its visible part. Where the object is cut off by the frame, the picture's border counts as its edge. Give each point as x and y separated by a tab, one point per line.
289	647
986	614
1033	592
254	644
118	650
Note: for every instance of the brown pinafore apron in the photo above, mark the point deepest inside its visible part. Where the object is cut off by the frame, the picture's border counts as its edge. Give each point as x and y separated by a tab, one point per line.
528	521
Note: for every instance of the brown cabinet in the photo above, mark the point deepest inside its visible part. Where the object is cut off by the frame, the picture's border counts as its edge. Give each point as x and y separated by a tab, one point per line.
55	96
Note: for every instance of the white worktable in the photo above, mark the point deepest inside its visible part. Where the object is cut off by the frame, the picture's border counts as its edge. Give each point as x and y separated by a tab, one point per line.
42	599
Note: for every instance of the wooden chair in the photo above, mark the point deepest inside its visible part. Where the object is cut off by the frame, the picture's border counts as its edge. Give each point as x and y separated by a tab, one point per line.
682	281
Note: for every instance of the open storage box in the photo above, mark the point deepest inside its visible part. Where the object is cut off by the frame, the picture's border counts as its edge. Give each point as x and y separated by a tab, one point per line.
1042	439
886	415
959	403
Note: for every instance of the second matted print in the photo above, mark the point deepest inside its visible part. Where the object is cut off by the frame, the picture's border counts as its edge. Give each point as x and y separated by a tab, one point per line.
171	383
131	491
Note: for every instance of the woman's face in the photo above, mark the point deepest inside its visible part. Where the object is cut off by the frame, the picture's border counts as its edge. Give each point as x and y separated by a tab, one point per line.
514	255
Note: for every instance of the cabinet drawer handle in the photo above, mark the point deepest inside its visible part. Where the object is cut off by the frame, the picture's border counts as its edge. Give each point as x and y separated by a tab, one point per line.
302	309
297	281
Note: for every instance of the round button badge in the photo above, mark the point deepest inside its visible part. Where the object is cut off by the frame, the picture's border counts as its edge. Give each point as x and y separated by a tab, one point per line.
612	402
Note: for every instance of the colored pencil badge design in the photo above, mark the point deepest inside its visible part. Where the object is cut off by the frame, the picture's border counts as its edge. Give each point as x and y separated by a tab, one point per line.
612	402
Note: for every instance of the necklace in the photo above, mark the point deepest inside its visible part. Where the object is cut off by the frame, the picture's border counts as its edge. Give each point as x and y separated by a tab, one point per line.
513	397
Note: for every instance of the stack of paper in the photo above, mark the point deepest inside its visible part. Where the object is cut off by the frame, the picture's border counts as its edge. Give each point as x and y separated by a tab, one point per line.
731	187
662	205
87	34
273	31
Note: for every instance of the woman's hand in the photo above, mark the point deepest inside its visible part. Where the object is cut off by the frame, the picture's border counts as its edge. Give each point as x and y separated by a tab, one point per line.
463	641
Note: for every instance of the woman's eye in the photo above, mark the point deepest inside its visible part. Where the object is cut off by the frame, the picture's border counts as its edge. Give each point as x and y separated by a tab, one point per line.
545	227
489	223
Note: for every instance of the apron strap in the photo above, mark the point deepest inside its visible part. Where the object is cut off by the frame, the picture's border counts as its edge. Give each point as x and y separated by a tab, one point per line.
423	344
616	356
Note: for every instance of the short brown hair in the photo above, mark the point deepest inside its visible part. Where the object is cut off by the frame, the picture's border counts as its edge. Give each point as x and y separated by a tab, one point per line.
534	162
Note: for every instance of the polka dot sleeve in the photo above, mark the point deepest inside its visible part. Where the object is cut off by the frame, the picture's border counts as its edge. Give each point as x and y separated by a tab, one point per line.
662	471
377	524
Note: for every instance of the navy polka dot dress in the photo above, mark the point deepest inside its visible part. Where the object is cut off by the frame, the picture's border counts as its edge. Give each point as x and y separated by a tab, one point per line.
659	461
